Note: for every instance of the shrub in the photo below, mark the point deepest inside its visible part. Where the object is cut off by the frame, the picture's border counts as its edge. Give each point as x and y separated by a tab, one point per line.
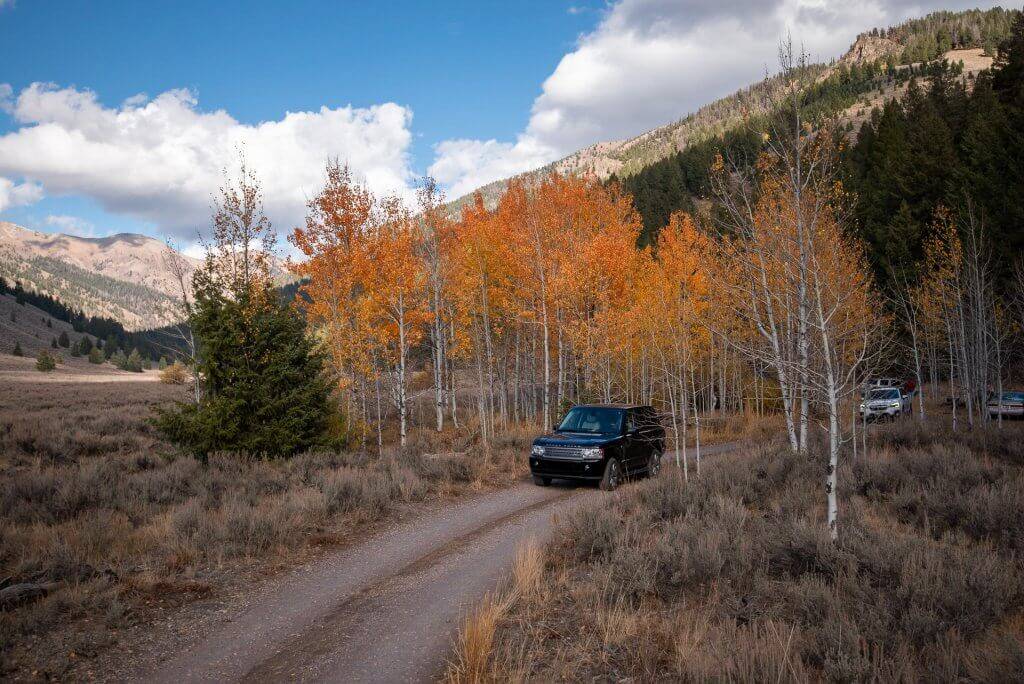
265	392
17	349
64	340
119	360
175	374
96	355
53	342
733	575
76	350
134	362
45	362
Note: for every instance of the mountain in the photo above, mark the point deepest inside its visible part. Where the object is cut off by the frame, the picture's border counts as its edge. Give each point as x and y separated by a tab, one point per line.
122	277
969	36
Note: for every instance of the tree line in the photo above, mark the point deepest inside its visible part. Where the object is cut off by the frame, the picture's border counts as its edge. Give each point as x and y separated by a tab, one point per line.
769	298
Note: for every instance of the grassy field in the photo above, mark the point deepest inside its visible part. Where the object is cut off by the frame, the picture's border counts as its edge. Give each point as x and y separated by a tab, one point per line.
733	576
121	528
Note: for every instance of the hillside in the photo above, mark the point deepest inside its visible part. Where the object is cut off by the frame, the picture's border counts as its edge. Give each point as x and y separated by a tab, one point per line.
968	36
121	277
30	328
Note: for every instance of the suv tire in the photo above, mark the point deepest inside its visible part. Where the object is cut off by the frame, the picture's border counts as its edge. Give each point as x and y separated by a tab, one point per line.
612	475
541	481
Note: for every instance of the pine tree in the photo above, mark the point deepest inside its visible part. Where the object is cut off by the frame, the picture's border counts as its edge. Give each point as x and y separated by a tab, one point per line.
1008	68
263	386
134	362
17	349
162	363
96	355
53	342
119	360
45	362
49	322
64	340
110	346
85	345
76	350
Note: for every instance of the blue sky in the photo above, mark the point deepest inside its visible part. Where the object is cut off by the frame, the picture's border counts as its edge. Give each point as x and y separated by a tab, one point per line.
119	116
466	69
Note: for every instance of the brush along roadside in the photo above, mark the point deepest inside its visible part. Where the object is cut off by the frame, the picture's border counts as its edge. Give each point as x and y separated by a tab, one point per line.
734	576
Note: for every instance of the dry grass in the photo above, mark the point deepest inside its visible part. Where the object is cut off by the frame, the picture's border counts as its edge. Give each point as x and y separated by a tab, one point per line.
733	577
732	427
476	634
92	499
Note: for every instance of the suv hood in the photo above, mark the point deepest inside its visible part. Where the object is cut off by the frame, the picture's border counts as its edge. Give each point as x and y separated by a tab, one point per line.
574	439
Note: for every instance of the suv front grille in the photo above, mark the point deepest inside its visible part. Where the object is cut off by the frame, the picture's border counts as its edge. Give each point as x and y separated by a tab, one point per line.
567	453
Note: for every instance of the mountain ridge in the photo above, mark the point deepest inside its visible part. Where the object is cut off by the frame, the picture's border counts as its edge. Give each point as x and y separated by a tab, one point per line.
927	38
122	276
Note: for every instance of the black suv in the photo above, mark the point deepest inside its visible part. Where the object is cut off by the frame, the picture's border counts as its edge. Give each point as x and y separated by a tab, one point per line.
600	443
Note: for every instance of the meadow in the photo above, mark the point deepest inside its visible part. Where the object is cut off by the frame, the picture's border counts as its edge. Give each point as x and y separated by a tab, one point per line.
734	577
117	528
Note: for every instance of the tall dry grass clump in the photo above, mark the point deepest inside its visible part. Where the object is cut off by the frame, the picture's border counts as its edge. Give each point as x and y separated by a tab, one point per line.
734	577
470	663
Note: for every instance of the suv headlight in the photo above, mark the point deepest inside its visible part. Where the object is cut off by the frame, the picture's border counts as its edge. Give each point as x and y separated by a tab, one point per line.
592	453
537	450
895	404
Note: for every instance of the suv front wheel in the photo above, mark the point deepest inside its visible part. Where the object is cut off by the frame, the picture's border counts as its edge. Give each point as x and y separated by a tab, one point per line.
611	475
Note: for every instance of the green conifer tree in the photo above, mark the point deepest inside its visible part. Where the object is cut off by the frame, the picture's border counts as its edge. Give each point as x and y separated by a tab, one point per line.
45	362
64	340
96	355
17	349
264	391
119	360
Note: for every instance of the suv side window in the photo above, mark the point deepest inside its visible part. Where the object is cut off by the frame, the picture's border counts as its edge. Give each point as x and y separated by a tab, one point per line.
631	421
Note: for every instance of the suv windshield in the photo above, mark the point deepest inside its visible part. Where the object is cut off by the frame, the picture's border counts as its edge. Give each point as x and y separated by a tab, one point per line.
884	394
598	421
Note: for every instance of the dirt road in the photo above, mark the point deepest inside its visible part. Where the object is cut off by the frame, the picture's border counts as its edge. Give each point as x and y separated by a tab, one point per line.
385	610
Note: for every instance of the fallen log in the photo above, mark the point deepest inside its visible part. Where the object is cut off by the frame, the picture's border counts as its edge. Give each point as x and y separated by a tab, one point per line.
17	594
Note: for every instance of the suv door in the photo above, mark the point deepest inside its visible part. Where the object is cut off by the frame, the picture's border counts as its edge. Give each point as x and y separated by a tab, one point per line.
633	448
653	432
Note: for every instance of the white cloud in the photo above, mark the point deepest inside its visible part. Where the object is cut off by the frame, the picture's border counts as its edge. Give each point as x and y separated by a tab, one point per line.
14	195
72	225
650	62
161	160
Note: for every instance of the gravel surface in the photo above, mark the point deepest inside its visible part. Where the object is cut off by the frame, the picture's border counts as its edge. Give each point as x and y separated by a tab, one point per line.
384	610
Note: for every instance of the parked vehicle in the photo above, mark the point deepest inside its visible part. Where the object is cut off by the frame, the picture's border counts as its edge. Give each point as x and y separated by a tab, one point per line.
600	443
885	403
1009	405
